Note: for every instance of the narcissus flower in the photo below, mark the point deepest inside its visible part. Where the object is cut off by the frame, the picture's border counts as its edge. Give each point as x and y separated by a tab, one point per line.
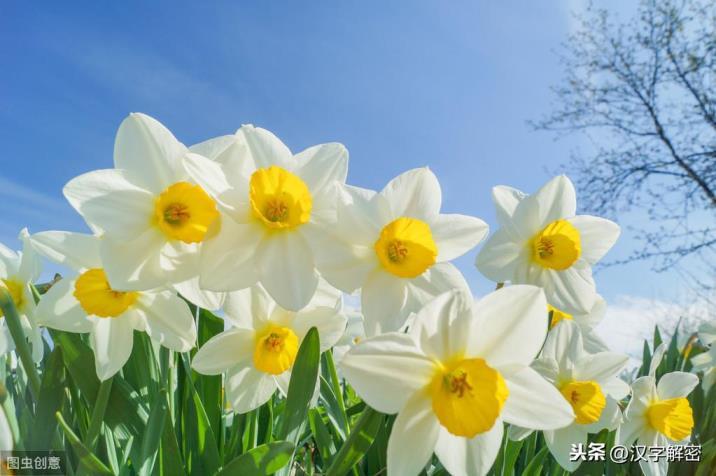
456	376
17	272
395	246
152	218
277	206
86	302
543	242
658	414
258	352
586	323
588	382
706	361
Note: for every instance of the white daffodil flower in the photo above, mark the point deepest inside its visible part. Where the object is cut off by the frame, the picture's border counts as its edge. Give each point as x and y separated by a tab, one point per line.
543	242
258	352
588	382
658	414
354	333
586	322
17	272
152	218
706	361
277	205
395	246
456	376
86	302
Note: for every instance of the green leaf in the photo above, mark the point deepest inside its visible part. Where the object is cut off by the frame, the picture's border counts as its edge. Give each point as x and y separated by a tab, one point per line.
153	433
301	387
511	453
88	461
197	431
334	411
52	394
209	386
534	467
321	435
357	444
263	460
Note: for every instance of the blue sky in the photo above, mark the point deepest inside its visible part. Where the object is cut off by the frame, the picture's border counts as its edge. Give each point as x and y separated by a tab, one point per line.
402	84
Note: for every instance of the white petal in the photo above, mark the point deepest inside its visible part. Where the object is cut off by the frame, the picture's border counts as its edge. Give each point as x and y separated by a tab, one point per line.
191	290
168	320
555	200
656	358
414	194
534	403
506	200
408	455
597	235
386	370
110	202
228	260
600	367
77	251
215	147
249	307
440	328
499	256
266	149
147	148
231	192
224	351
629	431
178	260
382	299
564	345
616	388
517	433
474	456
362	214
287	270
509	326
455	234
571	290
560	444
436	280
247	388
707	332
30	263
134	264
59	309
341	263
328	321
610	418
111	339
676	384
321	165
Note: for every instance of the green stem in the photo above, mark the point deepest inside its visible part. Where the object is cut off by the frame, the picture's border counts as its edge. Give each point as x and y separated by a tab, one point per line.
21	345
335	382
100	405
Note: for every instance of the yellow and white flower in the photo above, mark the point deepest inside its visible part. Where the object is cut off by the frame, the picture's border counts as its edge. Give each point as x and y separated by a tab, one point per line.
86	302
276	206
658	414
152	218
542	241
395	246
17	272
456	376
586	323
258	352
588	382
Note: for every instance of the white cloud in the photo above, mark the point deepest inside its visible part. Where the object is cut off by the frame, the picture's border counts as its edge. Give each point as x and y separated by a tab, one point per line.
631	319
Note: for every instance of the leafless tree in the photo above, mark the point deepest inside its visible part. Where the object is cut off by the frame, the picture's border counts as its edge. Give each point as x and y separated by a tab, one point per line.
644	92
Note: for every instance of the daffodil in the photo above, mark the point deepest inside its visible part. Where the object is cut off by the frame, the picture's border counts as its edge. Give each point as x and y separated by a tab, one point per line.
706	361
258	351
456	376
585	321
542	241
588	382
17	273
658	414
396	246
85	301
277	205
151	216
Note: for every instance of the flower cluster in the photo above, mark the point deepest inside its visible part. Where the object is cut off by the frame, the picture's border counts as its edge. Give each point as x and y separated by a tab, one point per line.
274	239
